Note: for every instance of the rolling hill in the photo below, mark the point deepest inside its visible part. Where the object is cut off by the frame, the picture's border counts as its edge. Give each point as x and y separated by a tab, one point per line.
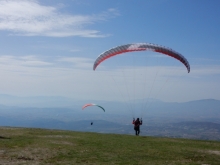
46	146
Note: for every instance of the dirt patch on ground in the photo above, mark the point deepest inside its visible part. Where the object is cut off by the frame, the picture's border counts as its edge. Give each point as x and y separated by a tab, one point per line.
33	156
214	152
61	142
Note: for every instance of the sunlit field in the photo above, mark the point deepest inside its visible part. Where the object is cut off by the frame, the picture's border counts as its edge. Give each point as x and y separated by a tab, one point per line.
41	146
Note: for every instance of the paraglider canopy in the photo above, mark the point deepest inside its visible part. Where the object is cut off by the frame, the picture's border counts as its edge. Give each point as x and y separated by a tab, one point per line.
140	47
91	104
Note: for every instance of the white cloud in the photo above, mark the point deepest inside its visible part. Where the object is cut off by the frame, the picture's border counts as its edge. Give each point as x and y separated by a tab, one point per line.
25	62
206	70
203	67
30	18
74	77
32	61
78	62
32	76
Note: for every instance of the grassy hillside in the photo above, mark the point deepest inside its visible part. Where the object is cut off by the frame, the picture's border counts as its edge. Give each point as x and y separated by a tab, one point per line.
41	146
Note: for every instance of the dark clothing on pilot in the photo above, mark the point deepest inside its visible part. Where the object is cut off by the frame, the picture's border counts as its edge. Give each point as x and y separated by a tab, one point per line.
137	124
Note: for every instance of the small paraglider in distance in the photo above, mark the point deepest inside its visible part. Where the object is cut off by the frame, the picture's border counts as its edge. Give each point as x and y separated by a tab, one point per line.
91	104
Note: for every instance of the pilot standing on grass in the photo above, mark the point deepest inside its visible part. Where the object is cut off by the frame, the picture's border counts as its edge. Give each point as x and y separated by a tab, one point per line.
137	124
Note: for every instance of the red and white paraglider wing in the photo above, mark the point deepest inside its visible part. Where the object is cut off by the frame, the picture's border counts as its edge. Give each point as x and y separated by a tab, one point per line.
140	47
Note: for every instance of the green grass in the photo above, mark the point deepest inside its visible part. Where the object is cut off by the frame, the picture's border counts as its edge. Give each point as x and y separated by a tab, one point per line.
41	146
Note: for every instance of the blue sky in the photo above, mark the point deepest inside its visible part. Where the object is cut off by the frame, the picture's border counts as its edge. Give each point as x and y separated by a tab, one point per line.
48	46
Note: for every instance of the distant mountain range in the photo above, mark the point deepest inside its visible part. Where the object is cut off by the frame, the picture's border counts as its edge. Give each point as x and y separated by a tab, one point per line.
199	119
